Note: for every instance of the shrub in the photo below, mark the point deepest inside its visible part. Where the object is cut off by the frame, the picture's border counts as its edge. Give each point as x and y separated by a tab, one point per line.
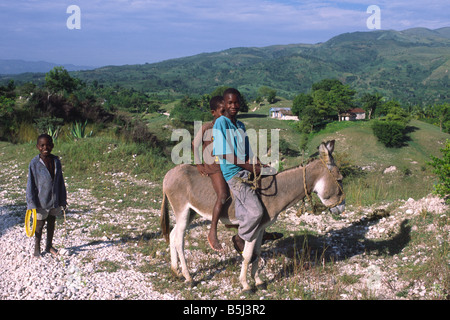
390	133
191	109
134	130
442	170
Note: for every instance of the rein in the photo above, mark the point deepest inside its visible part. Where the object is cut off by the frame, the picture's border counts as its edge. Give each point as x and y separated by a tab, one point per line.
255	181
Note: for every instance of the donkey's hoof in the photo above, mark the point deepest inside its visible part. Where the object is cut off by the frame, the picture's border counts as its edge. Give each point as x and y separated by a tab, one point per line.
176	274
261	286
247	292
190	283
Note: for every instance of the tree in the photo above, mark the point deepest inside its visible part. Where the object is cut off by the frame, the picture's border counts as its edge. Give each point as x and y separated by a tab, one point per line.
442	170
391	128
341	97
310	118
370	103
190	109
267	93
322	103
59	80
326	84
330	97
219	91
6	106
442	113
300	102
395	112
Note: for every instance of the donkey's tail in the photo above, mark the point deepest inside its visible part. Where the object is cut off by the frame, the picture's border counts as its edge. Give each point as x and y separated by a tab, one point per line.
165	221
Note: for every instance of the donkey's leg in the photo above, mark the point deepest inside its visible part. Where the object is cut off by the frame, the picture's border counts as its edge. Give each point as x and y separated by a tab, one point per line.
178	240
247	255
173	251
257	250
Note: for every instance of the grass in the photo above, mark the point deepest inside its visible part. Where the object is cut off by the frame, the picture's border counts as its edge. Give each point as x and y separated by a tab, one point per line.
357	145
122	184
376	188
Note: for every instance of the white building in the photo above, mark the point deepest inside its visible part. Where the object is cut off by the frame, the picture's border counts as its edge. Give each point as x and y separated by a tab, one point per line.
282	114
352	114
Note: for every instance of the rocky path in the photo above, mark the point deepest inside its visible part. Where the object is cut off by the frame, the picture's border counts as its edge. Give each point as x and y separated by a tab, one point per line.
75	274
102	268
81	271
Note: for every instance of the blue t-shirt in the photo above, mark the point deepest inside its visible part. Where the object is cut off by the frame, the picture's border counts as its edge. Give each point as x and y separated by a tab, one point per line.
230	139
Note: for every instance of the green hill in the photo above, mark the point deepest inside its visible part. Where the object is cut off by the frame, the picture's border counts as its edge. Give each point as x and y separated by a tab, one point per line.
410	65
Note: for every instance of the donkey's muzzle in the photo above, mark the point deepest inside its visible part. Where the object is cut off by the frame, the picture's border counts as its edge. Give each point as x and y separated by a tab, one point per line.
340	208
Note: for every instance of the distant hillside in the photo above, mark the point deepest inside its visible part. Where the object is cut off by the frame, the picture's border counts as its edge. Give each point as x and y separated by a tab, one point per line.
8	67
410	65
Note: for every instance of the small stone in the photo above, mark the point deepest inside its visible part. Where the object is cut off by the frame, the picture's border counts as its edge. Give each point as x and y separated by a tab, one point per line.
58	289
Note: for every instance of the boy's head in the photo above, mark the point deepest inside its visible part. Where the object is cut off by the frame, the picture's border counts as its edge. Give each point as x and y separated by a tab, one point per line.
232	98
232	91
217	106
44	144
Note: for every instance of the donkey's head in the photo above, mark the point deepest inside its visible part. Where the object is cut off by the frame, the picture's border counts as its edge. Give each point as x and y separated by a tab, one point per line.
328	184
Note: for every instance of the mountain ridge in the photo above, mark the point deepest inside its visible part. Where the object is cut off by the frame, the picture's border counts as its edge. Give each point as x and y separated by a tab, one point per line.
410	65
18	66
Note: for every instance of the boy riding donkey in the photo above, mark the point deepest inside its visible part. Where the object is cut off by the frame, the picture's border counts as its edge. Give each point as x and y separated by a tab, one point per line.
210	167
232	146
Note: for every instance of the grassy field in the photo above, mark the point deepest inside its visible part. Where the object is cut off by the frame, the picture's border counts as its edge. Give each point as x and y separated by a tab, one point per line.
320	257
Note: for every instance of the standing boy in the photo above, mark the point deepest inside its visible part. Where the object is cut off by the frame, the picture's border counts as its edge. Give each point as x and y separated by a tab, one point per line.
232	146
46	192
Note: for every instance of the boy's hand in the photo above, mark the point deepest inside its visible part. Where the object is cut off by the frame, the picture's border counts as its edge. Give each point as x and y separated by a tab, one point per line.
201	169
263	169
268	170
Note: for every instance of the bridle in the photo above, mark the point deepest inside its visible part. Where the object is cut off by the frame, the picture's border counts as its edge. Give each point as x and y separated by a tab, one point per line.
307	194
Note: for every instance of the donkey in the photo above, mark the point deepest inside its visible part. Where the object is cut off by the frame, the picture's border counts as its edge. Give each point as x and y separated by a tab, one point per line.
189	192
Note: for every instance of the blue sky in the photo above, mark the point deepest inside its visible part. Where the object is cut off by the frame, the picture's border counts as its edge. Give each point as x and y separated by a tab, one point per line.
118	32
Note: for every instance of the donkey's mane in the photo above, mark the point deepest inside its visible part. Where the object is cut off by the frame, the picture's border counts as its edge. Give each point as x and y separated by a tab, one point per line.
311	159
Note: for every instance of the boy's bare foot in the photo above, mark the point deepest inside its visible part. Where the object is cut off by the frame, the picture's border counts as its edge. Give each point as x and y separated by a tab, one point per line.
52	250
37	251
214	242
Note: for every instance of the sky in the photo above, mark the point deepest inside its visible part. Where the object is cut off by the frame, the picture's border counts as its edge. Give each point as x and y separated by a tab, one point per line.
119	32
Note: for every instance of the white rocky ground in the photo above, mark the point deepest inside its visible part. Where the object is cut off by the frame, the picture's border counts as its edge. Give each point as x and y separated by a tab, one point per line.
77	272
72	275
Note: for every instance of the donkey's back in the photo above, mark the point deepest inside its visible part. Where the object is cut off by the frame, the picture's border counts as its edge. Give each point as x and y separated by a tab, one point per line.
187	190
185	186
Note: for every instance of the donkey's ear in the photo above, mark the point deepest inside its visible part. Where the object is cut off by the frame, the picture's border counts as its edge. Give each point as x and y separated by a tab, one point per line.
330	146
324	153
